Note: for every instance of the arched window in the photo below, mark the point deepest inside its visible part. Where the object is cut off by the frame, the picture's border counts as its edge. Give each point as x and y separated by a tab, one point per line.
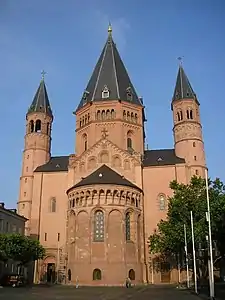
113	114
97	274
108	114
181	115
129	140
127	226
53	205
98	115
99	226
128	116
135	118
31	126
132	117
129	143
38	126
162	202
131	274
124	115
190	114
85	141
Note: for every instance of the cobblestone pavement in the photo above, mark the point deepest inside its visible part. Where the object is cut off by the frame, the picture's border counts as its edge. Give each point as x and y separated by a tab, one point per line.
96	293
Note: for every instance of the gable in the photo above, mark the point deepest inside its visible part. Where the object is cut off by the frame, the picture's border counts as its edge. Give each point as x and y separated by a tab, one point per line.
104	152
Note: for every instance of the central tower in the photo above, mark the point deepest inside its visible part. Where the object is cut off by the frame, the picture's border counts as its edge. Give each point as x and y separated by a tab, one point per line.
110	104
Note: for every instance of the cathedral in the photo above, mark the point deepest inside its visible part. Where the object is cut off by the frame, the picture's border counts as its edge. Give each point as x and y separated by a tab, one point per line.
95	209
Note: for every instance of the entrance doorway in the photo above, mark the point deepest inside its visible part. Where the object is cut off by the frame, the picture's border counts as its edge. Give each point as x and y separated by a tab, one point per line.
69	275
165	272
51	273
131	274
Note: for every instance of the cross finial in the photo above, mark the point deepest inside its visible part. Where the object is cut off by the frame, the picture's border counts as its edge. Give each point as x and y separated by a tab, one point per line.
110	29
43	74
180	59
104	133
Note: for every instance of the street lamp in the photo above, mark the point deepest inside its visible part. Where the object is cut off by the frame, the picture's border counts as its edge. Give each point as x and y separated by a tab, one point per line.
194	257
186	255
208	219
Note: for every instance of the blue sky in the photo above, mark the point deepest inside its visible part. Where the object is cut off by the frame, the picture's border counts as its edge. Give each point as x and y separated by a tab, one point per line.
65	39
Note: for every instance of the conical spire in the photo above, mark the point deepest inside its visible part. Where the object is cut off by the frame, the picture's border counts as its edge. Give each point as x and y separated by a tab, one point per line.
183	89
41	102
109	80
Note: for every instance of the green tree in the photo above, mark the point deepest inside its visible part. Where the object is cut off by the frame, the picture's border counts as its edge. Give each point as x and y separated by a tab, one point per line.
3	248
24	249
168	238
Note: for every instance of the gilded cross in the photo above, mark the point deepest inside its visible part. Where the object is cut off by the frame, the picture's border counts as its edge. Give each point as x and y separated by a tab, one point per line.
43	74
104	133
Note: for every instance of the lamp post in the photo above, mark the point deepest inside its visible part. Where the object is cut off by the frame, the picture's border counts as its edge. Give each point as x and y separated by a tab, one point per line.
58	258
208	218
194	257
186	254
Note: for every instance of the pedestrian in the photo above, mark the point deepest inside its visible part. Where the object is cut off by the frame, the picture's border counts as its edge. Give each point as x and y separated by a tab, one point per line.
128	282
77	284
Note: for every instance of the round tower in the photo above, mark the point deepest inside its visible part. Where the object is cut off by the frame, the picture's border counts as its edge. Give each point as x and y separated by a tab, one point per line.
37	147
187	126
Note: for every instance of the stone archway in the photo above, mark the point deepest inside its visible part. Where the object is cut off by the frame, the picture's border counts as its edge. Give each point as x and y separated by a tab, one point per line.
48	273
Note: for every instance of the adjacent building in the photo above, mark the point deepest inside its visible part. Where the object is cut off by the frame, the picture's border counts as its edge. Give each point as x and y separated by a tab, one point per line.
94	209
10	222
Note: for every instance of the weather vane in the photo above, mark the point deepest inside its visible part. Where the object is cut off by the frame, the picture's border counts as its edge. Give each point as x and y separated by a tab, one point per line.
180	58
43	74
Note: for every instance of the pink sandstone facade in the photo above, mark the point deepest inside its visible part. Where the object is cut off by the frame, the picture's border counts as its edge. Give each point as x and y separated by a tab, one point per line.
94	210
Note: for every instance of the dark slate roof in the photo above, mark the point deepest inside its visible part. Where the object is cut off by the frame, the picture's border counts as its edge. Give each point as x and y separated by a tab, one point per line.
41	102
104	175
55	164
183	88
110	72
161	157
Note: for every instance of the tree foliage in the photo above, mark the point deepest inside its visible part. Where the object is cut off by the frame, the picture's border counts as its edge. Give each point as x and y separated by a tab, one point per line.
169	235
3	248
20	248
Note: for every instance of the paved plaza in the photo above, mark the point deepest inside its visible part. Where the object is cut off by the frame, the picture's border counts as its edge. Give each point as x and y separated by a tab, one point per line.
96	293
